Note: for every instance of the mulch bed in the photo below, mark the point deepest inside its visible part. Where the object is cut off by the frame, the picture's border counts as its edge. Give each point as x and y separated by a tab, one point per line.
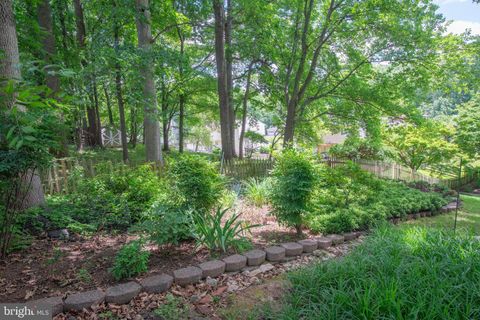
55	267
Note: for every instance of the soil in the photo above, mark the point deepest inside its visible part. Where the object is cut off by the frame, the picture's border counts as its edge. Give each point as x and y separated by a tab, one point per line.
56	267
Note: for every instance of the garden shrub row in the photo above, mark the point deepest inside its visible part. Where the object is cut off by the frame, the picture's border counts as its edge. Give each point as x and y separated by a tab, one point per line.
341	199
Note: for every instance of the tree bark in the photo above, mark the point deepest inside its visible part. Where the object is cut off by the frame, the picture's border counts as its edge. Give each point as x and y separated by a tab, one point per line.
229	71
80	23
109	105
9	69
121	106
151	124
181	99
222	79
244	112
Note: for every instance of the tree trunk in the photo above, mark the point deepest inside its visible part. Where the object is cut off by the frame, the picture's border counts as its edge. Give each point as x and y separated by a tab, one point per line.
222	80
181	102
133	126
80	23
98	123
151	124
109	106
44	13
9	69
229	71
181	118
289	124
121	107
244	112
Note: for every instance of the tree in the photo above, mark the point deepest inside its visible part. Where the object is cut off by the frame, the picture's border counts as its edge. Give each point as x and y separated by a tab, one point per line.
468	127
10	70
151	125
323	71
226	122
417	146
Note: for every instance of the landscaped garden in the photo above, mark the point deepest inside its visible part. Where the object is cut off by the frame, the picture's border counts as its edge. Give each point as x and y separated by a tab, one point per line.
225	159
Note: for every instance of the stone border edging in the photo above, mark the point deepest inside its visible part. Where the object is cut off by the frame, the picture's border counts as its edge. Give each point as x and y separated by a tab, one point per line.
124	292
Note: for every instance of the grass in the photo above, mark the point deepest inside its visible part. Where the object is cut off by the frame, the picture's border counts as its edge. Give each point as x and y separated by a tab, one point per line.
468	217
406	272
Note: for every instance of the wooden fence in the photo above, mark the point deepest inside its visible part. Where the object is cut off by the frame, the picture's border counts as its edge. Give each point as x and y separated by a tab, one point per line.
64	174
246	168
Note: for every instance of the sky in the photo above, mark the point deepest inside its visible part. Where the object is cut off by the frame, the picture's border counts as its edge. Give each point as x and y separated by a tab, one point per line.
463	14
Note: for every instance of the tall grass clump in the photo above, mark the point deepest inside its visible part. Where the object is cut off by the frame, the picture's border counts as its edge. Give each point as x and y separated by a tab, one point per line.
256	191
407	273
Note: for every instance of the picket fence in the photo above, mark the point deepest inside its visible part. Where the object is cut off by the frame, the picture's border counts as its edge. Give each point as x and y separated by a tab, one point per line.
63	175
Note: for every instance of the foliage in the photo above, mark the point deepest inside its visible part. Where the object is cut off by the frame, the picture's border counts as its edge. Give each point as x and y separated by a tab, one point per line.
173	309
293	183
348	198
113	200
397	273
26	136
255	137
130	260
468	127
356	148
415	146
257	191
195	183
166	225
218	232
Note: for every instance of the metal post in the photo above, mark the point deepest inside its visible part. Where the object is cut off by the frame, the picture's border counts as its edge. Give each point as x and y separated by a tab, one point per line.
458	196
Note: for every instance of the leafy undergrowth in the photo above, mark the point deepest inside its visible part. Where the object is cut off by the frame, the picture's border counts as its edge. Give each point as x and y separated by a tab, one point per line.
468	219
398	273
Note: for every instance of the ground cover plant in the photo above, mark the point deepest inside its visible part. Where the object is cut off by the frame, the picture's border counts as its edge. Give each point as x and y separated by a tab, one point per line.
397	273
348	198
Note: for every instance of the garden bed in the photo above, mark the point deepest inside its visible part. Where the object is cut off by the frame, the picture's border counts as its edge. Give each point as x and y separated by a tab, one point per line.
56	267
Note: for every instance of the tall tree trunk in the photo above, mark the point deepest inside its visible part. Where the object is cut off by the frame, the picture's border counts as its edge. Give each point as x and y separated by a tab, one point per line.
93	125
109	105
80	23
181	119
229	71
290	124
98	123
164	107
181	102
244	111
222	79
121	106
133	126
9	69
151	124
44	14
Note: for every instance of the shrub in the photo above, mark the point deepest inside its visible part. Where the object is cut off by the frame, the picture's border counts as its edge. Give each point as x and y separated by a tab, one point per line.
195	183
210	232
130	260
397	273
257	191
294	179
113	200
166	225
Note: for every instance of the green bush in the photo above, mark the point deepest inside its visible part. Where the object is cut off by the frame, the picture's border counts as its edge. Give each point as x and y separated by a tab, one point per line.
166	225
347	198
293	183
130	260
257	191
397	273
212	232
195	183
